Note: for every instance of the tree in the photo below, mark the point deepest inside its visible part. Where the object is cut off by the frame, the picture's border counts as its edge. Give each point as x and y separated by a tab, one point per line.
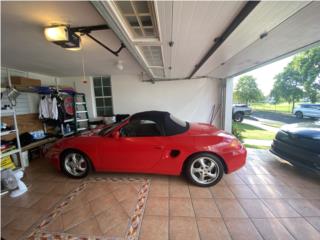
275	95
247	90
307	64
288	85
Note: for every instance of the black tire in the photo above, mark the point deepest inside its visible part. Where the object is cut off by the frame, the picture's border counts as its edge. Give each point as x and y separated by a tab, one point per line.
238	117
194	177
299	115
70	168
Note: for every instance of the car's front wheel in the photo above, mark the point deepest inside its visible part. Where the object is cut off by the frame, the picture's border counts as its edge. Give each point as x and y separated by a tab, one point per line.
238	117
75	164
299	115
204	169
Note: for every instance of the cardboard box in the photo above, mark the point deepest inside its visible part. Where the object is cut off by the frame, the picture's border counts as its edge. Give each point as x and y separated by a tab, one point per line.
23	81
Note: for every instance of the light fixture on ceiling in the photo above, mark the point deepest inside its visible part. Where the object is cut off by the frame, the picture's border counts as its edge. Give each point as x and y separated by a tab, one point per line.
75	48
69	37
56	33
63	36
120	65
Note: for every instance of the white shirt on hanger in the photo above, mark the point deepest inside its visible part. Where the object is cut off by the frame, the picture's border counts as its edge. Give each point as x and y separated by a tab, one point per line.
48	108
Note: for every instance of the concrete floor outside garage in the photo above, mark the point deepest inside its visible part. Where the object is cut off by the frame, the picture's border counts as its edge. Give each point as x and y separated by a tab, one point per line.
266	199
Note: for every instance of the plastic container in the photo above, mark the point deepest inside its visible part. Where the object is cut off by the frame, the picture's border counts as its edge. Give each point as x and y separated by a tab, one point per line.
25	159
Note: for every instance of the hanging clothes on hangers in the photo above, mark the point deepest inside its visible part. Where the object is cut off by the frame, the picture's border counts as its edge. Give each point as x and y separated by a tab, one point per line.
48	108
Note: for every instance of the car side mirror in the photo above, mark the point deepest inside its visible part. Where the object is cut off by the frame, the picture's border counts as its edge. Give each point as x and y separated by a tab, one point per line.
115	135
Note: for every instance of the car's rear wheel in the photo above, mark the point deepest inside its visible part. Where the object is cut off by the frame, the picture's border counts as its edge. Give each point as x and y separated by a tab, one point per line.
238	117
204	169
75	164
299	115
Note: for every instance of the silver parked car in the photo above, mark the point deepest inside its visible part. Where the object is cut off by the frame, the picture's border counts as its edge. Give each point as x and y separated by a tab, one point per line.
239	111
307	110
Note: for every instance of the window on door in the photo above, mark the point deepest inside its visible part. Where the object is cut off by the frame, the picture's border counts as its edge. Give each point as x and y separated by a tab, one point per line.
103	96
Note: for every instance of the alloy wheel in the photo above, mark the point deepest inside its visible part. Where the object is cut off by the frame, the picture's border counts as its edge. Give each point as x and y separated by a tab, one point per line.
75	164
204	170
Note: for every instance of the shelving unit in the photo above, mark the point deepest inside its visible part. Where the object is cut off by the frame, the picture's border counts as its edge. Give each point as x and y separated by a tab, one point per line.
7	132
12	112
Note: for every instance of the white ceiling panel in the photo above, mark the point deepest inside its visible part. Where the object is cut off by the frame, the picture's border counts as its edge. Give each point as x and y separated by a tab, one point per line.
164	10
265	17
300	30
194	27
23	45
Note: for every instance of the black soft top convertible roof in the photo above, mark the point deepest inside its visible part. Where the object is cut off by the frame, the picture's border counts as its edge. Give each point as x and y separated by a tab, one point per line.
163	119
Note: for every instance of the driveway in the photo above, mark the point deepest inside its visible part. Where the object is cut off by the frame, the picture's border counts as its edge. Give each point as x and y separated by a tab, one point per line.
278	117
258	124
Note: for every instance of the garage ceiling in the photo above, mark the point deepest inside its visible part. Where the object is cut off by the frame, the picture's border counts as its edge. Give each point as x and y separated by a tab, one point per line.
192	26
23	44
289	25
301	30
195	25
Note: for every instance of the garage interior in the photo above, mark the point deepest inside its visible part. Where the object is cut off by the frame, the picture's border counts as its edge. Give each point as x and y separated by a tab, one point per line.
178	57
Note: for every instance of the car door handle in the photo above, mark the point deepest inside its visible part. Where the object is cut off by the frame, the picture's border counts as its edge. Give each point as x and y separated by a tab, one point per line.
158	147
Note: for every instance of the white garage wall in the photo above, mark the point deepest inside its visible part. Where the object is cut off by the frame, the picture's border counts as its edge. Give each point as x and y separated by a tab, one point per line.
190	100
85	86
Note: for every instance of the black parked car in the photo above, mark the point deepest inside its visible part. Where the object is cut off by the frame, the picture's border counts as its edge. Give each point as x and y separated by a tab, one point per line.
299	144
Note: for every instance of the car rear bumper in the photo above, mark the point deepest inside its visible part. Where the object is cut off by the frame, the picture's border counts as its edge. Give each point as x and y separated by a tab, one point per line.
295	155
235	159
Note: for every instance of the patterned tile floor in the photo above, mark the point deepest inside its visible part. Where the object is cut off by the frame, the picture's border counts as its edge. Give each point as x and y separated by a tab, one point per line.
266	199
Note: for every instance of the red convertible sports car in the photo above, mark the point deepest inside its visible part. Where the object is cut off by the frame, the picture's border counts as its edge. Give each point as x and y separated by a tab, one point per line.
152	142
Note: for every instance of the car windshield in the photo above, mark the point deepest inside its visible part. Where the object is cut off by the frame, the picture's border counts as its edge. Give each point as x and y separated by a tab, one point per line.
178	121
108	129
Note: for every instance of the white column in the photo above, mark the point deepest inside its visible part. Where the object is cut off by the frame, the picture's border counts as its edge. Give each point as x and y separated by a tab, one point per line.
228	105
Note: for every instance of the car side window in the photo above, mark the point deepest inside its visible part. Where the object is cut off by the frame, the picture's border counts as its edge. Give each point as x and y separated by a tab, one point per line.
141	128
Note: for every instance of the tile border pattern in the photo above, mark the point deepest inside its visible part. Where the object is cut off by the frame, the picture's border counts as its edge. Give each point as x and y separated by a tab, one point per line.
134	224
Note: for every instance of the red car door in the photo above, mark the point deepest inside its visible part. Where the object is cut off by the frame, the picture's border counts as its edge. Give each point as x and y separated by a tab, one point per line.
136	151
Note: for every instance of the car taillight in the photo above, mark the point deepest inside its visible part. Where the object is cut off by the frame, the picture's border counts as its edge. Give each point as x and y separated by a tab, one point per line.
235	143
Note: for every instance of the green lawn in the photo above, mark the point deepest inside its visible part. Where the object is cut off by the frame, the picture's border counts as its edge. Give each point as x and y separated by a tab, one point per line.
281	107
251	132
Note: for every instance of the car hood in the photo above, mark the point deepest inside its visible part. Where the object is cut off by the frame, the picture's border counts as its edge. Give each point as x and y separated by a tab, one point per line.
307	129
